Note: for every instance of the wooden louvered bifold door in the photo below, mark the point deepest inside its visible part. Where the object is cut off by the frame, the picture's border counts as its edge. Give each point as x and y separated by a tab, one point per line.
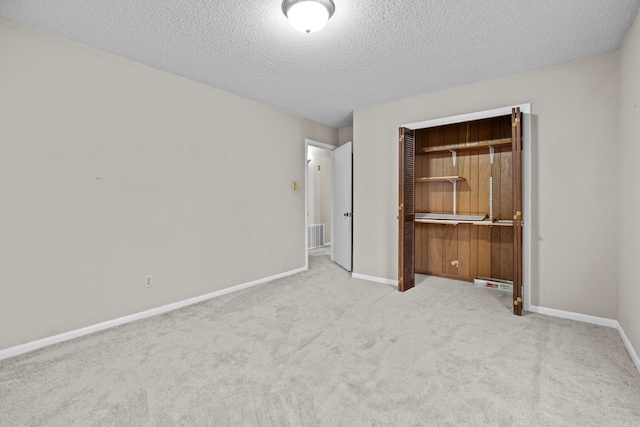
406	211
516	140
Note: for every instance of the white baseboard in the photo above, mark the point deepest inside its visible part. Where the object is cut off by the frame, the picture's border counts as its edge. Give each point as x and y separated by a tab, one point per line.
602	321
375	279
44	342
630	349
326	245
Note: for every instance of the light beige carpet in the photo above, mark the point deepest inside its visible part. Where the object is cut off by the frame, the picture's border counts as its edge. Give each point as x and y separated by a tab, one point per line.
320	348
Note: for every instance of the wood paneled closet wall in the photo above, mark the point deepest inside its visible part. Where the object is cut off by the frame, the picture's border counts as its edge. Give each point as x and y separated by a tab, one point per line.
464	251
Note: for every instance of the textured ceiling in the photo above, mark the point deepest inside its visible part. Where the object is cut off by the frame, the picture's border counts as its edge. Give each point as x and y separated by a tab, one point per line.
370	52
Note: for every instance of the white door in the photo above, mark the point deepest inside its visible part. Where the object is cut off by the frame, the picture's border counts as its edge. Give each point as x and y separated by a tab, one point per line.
341	188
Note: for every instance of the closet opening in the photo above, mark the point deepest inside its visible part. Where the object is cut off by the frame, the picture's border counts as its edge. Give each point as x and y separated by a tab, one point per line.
460	209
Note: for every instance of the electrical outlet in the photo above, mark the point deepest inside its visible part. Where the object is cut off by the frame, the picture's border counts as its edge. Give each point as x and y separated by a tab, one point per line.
147	281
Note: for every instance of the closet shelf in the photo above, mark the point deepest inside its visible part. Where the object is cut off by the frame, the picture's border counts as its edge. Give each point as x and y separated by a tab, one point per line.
453	217
505	142
485	222
448	219
439	179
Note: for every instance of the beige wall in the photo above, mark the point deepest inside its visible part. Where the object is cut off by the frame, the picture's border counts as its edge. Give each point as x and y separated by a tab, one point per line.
345	135
319	189
629	288
110	171
575	178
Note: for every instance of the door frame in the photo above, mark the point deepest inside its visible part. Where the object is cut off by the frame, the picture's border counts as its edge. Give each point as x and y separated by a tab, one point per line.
527	147
317	144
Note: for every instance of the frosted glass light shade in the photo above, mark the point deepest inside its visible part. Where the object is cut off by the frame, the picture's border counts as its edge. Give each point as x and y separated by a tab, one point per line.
308	15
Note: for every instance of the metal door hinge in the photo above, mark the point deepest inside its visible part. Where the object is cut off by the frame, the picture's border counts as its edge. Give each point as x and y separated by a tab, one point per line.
400	281
516	121
401	206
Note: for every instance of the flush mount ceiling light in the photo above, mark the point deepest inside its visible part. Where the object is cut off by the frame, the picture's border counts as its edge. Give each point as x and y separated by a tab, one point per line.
308	15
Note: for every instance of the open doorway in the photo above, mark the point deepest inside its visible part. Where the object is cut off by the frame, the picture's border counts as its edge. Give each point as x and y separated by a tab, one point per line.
318	201
318	197
328	202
